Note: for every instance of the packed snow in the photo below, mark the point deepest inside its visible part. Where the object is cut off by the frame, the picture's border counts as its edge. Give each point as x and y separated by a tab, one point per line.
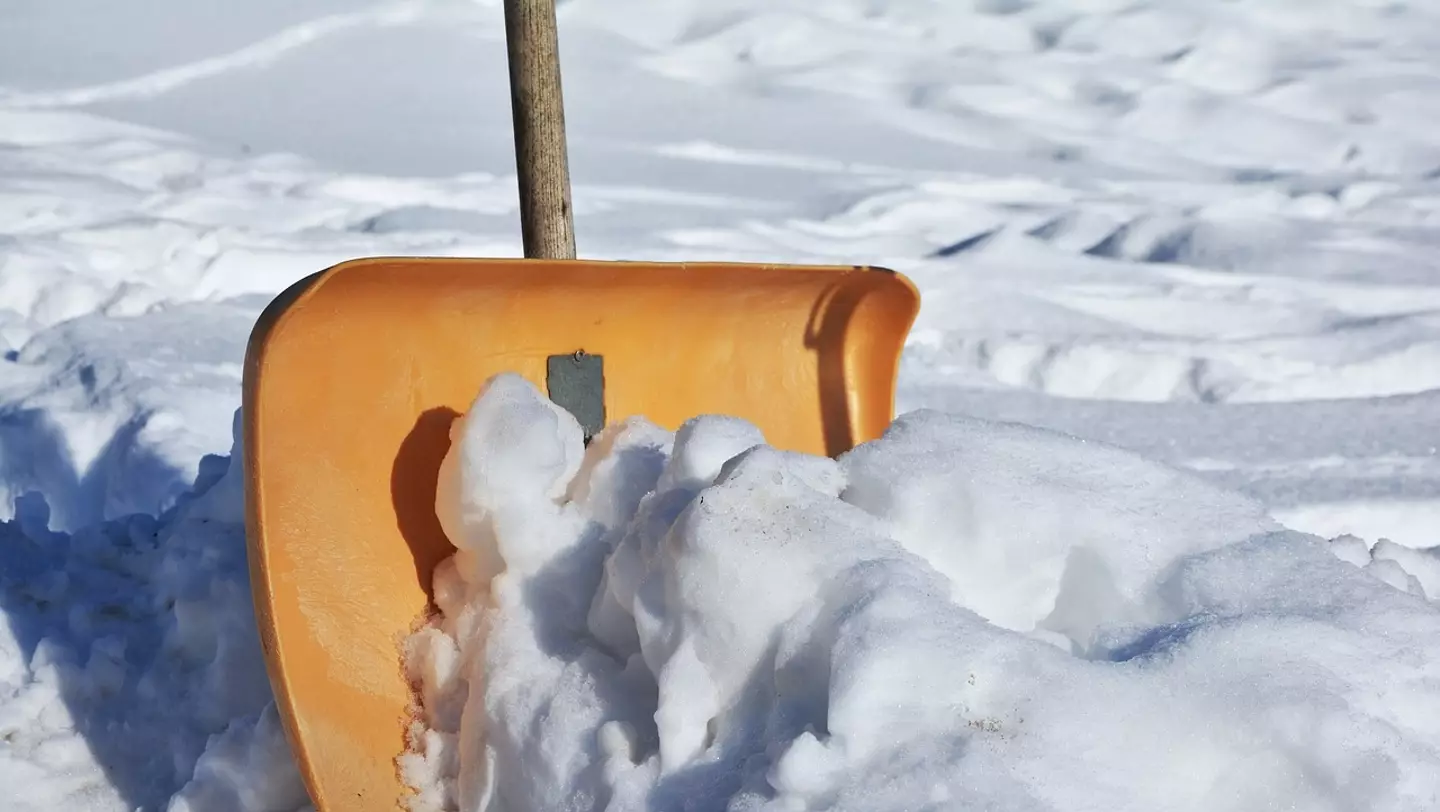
1181	308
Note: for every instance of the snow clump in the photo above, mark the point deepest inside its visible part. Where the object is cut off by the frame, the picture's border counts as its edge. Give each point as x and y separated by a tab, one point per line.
960	614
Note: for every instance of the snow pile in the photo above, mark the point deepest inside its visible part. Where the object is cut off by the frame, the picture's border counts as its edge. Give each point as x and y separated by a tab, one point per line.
131	676
962	613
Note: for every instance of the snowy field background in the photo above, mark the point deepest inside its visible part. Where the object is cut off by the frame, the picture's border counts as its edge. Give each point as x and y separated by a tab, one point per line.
1204	232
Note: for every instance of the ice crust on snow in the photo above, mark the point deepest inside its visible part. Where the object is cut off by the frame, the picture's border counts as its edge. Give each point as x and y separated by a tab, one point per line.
960	614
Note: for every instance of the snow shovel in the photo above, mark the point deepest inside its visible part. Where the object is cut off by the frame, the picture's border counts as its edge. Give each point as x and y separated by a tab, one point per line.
354	375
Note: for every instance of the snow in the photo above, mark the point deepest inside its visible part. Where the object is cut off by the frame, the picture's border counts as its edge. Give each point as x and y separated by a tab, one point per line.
1199	233
132	668
942	616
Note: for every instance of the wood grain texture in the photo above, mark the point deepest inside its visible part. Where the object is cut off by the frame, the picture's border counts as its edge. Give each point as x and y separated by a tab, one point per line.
537	105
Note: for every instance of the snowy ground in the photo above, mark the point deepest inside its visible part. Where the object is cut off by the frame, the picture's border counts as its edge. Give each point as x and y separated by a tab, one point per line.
1201	231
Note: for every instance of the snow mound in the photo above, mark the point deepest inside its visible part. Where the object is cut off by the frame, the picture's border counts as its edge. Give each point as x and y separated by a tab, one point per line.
961	613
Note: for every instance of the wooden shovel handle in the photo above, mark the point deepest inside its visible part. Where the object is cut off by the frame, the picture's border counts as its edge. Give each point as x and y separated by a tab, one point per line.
539	113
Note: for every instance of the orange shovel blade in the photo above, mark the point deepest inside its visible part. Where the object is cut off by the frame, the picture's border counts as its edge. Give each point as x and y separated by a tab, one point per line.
354	375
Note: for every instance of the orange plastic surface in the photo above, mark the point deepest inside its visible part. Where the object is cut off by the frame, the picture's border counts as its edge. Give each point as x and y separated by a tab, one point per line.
354	375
